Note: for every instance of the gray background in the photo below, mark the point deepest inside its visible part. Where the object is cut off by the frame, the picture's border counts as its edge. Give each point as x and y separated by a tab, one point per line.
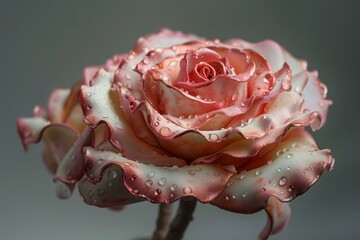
46	44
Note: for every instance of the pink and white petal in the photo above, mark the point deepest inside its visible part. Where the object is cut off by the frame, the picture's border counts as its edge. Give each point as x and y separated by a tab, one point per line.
248	148
58	140
71	167
108	192
161	184
286	171
100	104
278	217
30	129
275	54
89	74
314	95
57	100
163	39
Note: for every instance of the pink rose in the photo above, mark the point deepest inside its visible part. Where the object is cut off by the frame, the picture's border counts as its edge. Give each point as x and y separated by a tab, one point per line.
181	116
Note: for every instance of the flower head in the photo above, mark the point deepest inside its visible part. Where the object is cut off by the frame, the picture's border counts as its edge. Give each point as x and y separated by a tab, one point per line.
181	116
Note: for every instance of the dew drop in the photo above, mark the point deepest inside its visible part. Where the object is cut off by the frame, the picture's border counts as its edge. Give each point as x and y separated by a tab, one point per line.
133	178
228	196
100	192
290	155
279	170
258	172
187	190
192	172
173	188
158	192
149	183
157	124
91	193
198	169
213	137
242	177
288	168
151	174
282	181
162	181
244	194
113	174
291	188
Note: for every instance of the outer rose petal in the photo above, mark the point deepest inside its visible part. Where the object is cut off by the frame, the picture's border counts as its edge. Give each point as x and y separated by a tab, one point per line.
274	54
278	217
286	171
109	191
100	104
314	95
158	184
30	129
71	167
163	39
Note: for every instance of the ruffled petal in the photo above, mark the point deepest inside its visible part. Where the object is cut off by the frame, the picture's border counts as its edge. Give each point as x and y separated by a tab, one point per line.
30	129
71	167
163	39
56	104
275	54
314	95
283	171
109	191
278	217
160	184
100	103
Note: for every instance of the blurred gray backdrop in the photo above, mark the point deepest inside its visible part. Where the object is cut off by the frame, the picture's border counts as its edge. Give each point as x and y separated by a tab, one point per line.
46	44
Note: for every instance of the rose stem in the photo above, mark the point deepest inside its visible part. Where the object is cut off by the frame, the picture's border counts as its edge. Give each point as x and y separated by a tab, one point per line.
163	221
182	219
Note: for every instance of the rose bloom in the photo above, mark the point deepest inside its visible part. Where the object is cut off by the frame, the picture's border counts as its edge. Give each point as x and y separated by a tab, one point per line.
180	116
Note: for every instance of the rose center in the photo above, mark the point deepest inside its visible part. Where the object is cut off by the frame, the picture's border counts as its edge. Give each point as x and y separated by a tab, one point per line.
209	70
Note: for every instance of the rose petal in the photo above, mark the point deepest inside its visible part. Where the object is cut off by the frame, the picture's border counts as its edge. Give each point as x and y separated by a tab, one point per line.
163	39
30	129
56	105
278	217
70	169
160	184
314	95
286	171
109	191
100	104
274	54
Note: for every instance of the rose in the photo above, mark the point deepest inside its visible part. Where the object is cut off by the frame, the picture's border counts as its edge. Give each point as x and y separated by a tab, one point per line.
181	116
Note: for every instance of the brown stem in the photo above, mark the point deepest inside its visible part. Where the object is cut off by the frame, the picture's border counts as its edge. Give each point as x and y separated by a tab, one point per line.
182	219
163	221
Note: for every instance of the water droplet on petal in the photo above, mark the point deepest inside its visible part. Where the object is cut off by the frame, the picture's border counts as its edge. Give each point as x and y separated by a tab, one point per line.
133	178
158	192
91	193
258	172
282	181
290	155
244	194
149	183
213	137
173	188
192	172
162	181
291	188
187	190
151	174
